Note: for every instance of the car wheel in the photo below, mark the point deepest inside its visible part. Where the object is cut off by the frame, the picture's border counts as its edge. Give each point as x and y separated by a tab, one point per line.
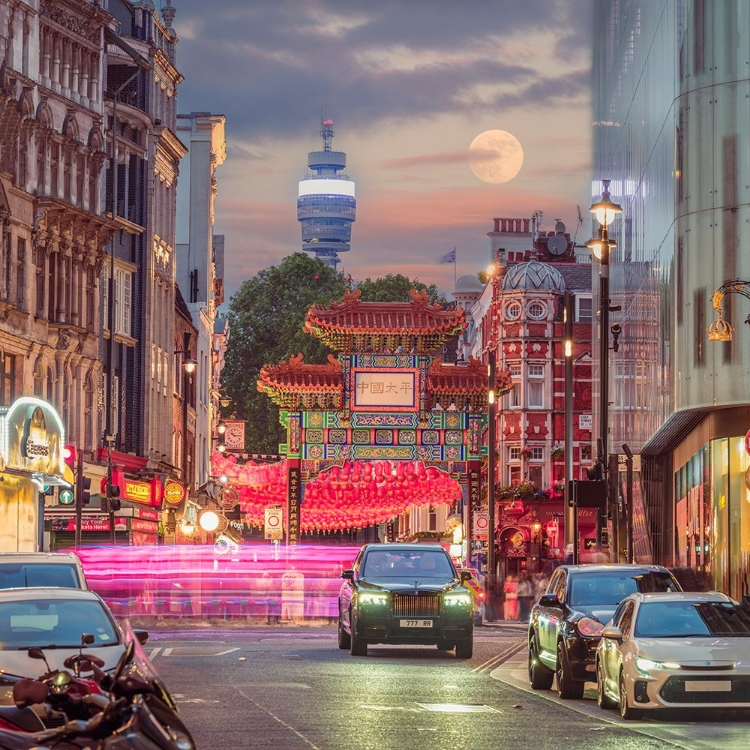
344	639
626	712
602	698
465	649
567	687
356	646
540	677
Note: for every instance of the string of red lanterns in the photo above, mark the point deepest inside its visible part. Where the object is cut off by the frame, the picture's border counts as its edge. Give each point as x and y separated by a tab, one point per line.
353	495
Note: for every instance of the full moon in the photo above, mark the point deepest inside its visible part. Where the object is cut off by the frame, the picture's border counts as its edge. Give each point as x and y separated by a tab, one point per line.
495	156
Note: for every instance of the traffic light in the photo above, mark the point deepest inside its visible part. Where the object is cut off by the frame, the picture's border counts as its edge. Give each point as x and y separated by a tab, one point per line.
113	495
70	456
596	471
85	490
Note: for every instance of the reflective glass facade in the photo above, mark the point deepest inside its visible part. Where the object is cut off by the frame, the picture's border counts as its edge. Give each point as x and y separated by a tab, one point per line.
672	131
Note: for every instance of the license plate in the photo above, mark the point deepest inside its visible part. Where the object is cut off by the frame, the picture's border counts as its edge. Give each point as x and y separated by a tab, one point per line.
416	623
709	686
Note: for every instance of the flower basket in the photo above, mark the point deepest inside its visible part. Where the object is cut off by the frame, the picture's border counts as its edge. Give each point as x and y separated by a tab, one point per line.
557	454
586	451
526	454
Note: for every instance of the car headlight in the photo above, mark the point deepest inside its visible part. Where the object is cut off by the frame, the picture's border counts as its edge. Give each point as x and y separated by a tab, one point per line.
457	600
372	598
589	626
644	666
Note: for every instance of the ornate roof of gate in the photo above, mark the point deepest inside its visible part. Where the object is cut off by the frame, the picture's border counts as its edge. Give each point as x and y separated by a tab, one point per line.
463	386
294	385
355	326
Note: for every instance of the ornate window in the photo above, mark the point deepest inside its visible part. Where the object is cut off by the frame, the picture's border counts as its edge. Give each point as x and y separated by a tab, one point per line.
513	311
537	310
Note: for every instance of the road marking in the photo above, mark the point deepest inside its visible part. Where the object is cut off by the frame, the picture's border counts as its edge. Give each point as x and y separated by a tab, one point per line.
459	708
502	657
393	708
154	652
196	651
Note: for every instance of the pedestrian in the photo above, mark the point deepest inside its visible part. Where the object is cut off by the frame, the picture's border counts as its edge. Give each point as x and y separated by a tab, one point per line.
525	596
510	606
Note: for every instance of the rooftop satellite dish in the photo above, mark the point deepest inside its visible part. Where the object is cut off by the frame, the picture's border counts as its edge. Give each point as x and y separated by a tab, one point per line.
557	244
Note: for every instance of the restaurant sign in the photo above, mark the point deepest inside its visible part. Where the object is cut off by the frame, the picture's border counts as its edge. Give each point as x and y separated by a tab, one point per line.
32	437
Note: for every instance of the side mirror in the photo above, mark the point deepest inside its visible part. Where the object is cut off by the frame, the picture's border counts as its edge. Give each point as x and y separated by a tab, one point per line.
465	575
613	633
549	600
348	574
141	635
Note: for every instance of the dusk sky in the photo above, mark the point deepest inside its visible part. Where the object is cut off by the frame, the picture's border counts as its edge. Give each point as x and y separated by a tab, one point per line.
409	85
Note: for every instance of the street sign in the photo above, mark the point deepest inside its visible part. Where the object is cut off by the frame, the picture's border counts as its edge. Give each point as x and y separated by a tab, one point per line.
481	524
66	497
274	523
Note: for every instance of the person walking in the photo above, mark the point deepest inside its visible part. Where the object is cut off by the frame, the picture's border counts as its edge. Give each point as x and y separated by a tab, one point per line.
525	595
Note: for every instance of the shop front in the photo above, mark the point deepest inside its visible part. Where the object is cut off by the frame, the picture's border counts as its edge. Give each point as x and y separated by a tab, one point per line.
31	459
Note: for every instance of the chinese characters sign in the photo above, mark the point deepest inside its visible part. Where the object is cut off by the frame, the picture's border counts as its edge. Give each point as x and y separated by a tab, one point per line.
294	492
381	390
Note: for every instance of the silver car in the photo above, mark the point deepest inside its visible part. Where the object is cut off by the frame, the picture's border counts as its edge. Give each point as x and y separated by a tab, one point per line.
52	619
675	650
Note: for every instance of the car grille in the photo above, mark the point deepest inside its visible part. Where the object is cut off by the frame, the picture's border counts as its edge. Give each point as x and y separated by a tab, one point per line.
416	605
673	691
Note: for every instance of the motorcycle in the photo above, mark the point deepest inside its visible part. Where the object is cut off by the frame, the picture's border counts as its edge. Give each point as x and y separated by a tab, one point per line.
130	709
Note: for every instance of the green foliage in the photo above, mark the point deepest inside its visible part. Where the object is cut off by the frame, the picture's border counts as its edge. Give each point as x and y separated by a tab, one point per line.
394	287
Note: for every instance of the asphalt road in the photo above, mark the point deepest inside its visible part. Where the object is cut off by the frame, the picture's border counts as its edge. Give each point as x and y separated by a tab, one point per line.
291	688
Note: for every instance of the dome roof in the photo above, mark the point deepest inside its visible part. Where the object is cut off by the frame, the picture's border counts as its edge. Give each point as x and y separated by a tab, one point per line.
534	275
468	283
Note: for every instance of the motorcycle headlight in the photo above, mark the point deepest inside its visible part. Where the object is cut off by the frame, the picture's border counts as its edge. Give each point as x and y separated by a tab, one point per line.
374	599
457	600
590	626
645	666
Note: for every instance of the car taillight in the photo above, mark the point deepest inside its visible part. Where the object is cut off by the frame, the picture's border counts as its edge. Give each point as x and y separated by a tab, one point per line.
589	626
481	596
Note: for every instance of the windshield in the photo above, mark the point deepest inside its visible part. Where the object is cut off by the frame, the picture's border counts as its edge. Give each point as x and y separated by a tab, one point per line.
684	618
35	575
609	588
54	623
408	564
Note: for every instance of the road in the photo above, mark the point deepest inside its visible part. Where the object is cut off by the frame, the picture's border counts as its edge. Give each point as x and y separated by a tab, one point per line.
290	688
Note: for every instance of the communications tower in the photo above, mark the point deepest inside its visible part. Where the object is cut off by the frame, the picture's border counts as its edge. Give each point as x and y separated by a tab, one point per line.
326	205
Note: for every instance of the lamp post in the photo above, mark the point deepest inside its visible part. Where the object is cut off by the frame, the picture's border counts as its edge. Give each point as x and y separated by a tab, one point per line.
489	581
189	366
604	211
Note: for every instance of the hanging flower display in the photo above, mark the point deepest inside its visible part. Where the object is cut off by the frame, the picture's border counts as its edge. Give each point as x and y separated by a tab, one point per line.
353	495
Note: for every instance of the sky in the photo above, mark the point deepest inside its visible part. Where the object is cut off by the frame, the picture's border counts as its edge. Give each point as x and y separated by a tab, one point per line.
409	85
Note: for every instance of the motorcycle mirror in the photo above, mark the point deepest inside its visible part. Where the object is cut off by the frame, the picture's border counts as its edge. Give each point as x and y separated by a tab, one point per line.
36	653
86	639
141	635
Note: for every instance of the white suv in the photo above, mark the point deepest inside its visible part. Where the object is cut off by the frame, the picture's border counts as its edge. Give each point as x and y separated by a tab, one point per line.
41	569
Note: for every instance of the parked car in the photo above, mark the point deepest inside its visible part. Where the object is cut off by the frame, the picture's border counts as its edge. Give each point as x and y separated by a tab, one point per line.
566	623
405	593
689	650
54	620
46	569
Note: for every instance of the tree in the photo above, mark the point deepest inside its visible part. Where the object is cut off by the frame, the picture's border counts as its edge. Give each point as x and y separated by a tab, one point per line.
395	287
265	327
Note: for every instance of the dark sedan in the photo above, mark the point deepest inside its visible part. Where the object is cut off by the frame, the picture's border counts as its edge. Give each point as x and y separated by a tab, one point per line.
405	594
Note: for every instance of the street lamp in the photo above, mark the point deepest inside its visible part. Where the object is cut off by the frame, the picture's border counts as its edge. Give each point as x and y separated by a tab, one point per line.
721	329
489	580
604	211
189	366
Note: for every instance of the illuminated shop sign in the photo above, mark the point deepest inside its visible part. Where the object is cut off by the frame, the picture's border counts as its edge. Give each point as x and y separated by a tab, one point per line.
384	390
32	437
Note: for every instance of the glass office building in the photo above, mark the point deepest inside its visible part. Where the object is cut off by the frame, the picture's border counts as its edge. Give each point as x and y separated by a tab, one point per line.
671	114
